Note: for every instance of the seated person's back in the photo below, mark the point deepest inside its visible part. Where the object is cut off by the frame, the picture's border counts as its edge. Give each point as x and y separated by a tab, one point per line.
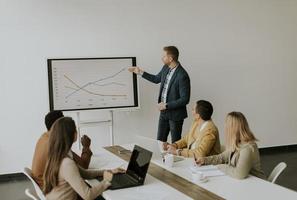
41	150
63	178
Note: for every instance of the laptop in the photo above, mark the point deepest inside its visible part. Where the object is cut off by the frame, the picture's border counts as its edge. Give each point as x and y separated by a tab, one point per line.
136	171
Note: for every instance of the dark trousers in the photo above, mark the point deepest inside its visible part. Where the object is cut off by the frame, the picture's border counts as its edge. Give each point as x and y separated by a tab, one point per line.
165	126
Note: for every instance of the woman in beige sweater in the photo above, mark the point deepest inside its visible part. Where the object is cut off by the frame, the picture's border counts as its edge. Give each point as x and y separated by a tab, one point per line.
63	179
241	156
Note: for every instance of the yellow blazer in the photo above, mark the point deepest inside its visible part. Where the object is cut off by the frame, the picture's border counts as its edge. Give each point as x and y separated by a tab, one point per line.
207	142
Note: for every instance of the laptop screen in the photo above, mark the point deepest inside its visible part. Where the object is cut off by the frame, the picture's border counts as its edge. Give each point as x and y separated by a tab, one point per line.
139	163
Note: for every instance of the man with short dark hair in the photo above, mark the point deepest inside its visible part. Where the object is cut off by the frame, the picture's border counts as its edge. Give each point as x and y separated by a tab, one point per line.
174	94
41	149
203	137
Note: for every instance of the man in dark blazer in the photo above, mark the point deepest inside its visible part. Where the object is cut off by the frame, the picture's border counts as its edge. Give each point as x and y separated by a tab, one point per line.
174	94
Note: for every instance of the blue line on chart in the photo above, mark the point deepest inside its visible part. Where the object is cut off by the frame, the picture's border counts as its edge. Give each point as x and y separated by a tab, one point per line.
93	82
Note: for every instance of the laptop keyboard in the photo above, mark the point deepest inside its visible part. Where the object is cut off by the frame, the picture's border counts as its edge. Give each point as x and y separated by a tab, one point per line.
121	179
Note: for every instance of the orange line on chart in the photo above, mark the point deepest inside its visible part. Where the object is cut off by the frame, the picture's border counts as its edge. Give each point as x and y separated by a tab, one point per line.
90	92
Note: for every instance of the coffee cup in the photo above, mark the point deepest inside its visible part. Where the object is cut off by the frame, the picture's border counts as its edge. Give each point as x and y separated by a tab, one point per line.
197	176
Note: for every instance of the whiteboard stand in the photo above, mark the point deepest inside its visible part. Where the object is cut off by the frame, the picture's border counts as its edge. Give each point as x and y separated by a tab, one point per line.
78	130
111	128
81	124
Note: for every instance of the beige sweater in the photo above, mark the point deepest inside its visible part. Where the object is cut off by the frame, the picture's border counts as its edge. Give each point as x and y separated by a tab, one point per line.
245	161
40	158
72	183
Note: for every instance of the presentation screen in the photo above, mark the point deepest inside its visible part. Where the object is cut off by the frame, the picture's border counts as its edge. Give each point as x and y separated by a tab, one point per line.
92	83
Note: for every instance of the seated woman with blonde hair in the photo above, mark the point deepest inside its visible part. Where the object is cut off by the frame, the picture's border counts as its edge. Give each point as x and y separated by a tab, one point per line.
241	156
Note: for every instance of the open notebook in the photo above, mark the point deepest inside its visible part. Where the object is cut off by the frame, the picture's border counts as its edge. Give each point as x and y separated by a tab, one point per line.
207	170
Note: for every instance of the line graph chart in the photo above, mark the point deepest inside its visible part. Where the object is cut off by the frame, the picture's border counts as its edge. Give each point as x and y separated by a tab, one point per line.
78	88
92	84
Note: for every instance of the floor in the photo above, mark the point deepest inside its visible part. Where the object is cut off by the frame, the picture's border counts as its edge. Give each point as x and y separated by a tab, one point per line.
13	188
288	178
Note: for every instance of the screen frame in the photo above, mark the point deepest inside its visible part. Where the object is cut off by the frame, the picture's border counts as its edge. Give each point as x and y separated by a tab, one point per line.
131	171
50	85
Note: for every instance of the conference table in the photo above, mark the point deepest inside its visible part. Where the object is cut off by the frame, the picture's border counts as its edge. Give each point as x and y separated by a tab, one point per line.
176	183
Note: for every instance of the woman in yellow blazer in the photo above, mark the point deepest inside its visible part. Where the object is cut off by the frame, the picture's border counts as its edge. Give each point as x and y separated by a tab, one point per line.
241	156
203	137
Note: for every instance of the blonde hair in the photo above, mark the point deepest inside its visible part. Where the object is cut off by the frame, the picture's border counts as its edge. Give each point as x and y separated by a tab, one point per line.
237	131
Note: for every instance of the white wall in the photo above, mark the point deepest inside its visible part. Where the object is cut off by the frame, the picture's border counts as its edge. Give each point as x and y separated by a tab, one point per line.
241	55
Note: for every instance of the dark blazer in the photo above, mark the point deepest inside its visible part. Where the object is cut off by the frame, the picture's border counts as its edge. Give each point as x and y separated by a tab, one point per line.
179	90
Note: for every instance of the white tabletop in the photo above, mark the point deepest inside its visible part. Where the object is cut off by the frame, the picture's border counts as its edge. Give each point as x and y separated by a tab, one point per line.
224	186
230	188
152	188
233	189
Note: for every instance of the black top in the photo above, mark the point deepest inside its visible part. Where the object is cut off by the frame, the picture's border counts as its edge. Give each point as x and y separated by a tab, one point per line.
178	93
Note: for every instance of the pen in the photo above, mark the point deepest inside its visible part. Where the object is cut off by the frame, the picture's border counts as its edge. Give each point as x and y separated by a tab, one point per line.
195	160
